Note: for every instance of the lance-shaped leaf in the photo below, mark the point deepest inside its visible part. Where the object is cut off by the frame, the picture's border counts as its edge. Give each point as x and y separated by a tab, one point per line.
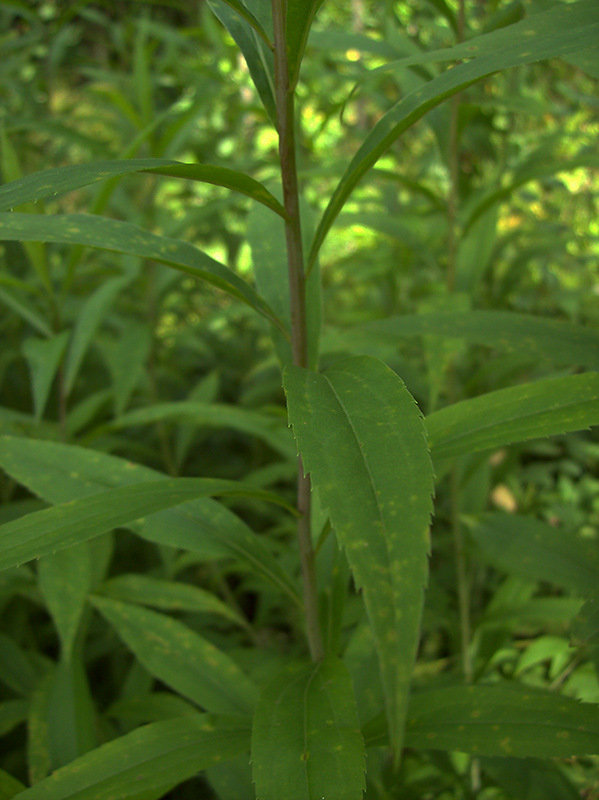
124	237
542	339
181	658
44	357
570	29
362	439
58	180
52	529
306	742
59	473
544	408
299	17
505	720
155	755
258	56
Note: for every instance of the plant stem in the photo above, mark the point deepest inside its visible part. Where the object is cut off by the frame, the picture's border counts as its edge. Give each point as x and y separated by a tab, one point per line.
285	97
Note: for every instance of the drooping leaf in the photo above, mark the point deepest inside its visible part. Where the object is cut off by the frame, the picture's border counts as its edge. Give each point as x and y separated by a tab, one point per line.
180	657
124	237
50	182
535	550
217	415
166	595
25	310
306	741
53	529
159	754
258	56
506	720
59	473
545	408
564	29
362	439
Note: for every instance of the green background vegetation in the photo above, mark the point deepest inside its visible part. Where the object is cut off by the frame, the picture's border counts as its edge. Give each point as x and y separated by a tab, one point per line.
466	259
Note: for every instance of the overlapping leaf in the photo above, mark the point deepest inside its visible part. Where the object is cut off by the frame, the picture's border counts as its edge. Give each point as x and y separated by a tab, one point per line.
124	237
362	439
544	408
505	720
181	658
50	182
306	742
59	473
161	754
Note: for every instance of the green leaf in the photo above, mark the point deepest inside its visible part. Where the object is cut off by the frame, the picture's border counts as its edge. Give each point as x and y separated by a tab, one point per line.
362	439
59	473
259	58
53	529
44	357
12	713
159	754
9	786
16	668
545	408
124	237
250	18
25	310
71	721
535	550
58	180
91	315
544	340
505	720
217	415
167	595
298	21
65	579
564	29
585	627
181	658
306	742
126	359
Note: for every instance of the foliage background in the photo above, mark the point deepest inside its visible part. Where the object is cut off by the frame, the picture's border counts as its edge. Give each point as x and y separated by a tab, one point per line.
489	203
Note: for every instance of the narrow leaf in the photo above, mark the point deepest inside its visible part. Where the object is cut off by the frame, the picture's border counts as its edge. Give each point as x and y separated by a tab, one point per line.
58	180
306	742
571	28
124	237
362	439
181	658
53	529
534	550
505	720
299	17
59	473
44	357
544	408
541	339
159	754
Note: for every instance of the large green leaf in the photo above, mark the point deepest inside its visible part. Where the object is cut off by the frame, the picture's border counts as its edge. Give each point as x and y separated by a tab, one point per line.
535	550
563	30
545	408
59	473
306	742
298	21
544	340
506	720
124	237
159	754
362	439
181	658
53	529
58	180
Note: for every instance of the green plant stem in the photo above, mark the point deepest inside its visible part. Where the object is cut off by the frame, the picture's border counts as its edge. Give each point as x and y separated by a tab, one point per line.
285	98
